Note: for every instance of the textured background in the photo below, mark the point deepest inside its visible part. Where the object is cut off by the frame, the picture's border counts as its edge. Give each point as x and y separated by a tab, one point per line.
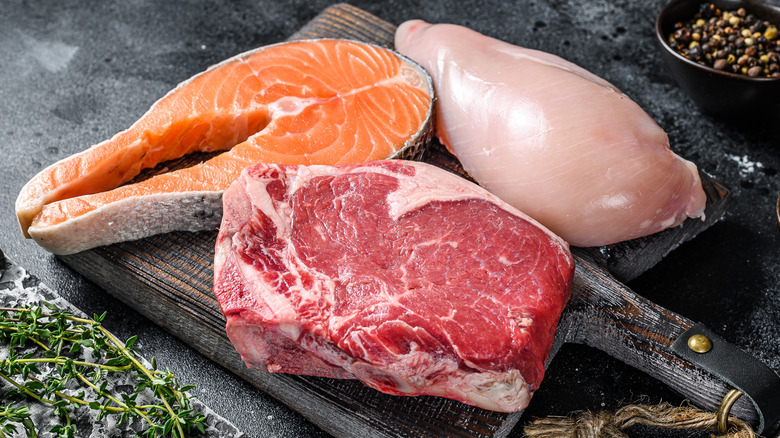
73	73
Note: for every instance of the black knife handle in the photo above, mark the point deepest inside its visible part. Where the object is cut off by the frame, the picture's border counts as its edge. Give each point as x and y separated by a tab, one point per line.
759	383
606	314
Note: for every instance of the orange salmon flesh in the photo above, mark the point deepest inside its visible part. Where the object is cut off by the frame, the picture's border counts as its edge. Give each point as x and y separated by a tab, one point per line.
302	102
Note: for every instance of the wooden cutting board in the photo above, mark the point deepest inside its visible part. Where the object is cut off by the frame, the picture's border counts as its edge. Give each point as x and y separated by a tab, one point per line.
168	278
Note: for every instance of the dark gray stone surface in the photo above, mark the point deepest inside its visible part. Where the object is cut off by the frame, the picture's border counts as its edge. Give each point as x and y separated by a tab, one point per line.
73	73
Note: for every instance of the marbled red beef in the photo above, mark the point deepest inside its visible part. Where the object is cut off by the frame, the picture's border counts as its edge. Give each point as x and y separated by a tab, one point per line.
400	274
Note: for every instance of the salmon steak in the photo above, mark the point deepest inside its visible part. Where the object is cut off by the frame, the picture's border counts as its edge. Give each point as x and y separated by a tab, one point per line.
305	102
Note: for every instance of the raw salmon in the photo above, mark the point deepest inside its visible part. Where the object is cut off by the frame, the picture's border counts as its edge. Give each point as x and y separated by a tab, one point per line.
303	102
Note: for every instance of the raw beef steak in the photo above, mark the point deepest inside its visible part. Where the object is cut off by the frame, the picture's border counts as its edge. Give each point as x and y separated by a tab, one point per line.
400	274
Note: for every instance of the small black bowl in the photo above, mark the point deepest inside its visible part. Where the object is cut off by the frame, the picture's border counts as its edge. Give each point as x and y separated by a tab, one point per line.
718	92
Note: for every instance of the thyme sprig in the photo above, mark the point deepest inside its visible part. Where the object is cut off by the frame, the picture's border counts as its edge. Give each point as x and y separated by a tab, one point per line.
60	360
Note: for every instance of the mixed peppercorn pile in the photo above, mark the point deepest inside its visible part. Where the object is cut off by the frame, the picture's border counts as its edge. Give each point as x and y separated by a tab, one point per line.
733	41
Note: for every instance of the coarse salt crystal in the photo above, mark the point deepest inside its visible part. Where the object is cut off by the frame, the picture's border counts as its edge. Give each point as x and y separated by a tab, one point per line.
745	165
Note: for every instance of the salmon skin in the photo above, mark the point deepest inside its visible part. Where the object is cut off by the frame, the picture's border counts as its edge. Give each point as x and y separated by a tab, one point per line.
325	101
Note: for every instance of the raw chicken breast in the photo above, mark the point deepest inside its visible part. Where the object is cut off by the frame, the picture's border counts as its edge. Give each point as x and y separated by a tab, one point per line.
552	139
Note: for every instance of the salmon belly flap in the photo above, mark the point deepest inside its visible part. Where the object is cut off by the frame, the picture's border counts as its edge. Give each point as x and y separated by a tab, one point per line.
305	102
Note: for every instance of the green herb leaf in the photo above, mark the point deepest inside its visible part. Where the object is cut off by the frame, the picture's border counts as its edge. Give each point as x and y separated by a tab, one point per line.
49	340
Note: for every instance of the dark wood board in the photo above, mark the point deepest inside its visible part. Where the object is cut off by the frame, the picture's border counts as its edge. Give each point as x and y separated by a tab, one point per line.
168	278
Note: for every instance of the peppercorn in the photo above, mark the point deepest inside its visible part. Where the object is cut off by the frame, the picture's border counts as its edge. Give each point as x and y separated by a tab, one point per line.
735	41
707	10
695	53
759	26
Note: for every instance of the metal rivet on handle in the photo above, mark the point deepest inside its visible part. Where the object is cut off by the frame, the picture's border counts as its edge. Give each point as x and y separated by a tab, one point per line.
699	343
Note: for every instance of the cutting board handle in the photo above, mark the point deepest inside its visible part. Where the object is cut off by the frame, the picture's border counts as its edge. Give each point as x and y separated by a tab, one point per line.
605	314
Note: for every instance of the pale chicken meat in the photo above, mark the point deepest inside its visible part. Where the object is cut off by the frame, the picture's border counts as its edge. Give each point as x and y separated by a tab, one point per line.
554	140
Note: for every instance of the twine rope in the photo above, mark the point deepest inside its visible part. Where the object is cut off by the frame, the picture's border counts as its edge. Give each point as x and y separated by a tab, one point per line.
587	424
